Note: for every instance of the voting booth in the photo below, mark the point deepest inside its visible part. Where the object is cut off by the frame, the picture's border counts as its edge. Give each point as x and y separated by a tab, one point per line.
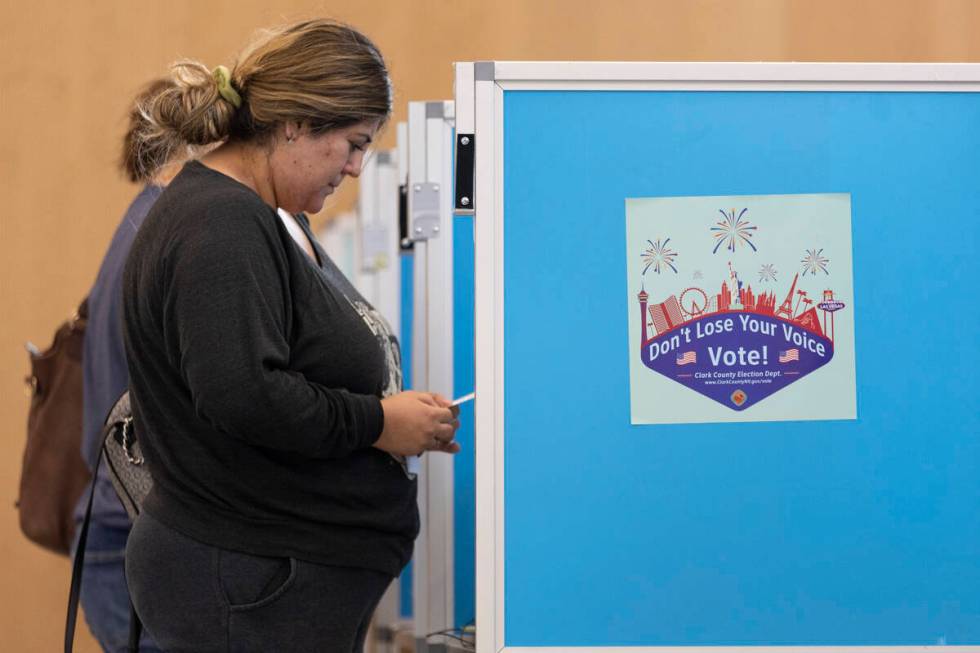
377	220
442	361
717	405
378	278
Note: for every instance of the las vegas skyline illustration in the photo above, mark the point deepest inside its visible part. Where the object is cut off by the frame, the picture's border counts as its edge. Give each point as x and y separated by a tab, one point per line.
671	313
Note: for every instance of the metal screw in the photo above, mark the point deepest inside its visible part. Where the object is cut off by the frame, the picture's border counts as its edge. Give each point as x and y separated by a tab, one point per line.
465	140
418	188
465	201
435	230
435	187
418	230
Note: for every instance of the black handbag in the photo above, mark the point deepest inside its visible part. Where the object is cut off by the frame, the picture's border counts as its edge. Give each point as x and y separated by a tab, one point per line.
131	480
124	458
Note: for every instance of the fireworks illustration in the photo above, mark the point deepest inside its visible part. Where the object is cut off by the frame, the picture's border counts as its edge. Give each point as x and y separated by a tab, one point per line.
767	273
814	262
659	257
731	231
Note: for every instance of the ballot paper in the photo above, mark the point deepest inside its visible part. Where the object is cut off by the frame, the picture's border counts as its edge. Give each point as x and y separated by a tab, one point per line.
465	398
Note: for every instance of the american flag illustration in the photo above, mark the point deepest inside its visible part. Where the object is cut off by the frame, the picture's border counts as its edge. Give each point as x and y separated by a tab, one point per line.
789	355
687	358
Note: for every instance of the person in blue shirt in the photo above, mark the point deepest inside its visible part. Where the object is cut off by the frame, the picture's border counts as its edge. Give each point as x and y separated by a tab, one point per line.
104	596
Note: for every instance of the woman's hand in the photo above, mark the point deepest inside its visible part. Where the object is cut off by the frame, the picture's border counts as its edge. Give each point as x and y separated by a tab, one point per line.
417	422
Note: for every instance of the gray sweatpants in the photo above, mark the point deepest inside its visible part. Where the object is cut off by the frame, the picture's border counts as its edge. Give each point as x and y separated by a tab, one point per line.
194	597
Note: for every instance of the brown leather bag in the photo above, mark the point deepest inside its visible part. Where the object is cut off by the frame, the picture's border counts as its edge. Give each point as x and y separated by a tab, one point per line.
54	475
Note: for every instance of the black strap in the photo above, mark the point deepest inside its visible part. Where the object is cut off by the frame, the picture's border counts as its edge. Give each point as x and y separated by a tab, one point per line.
77	566
135	630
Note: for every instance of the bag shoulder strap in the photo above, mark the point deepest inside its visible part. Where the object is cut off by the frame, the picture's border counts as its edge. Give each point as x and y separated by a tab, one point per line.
77	565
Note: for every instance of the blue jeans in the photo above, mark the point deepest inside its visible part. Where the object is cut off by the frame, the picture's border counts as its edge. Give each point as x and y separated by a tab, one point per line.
104	595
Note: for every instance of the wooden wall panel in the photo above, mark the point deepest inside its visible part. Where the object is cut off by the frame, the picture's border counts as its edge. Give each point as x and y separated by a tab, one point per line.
68	70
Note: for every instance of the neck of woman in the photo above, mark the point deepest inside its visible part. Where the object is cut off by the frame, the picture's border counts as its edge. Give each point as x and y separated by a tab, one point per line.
247	164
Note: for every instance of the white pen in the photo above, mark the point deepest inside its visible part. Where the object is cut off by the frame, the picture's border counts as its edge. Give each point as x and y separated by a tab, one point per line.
464	399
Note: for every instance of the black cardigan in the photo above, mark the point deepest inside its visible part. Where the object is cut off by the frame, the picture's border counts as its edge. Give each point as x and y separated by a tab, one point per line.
256	376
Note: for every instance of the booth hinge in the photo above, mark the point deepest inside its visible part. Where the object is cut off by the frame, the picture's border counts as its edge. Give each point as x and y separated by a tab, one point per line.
465	157
425	211
405	243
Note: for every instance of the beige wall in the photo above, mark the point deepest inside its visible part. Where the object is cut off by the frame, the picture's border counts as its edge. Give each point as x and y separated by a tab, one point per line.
69	68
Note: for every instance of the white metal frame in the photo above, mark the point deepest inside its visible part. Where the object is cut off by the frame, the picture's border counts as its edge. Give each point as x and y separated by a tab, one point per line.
479	96
430	147
377	213
377	210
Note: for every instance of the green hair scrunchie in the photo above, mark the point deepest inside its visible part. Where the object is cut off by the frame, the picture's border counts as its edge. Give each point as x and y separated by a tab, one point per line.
225	89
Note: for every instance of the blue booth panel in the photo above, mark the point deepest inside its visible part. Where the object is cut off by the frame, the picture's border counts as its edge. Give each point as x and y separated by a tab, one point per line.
405	337
852	532
464	471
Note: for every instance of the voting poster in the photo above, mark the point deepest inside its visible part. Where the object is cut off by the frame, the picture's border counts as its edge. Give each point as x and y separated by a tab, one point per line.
741	308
